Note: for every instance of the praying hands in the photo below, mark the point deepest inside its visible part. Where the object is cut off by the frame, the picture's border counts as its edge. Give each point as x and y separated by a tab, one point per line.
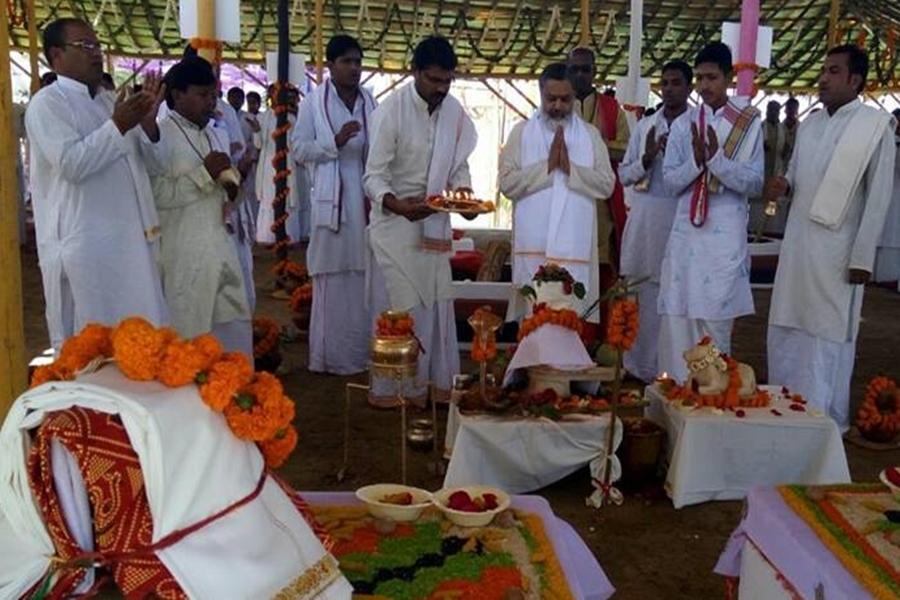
559	153
704	151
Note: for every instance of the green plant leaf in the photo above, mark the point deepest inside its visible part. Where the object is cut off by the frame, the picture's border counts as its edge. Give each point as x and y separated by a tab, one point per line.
579	290
528	291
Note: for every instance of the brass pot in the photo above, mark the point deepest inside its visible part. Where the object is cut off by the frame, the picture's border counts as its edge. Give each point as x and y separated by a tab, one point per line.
420	434
395	355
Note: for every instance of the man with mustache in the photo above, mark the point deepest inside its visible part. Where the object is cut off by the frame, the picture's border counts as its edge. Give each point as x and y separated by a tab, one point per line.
202	276
714	162
555	169
95	222
420	146
839	184
652	211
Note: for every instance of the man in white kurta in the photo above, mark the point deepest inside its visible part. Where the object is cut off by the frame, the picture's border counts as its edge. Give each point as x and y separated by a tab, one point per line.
202	277
839	182
297	224
651	213
420	145
774	141
95	221
887	259
555	168
332	135
705	275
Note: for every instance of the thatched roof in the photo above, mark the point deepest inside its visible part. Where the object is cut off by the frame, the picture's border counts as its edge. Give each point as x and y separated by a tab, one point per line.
515	38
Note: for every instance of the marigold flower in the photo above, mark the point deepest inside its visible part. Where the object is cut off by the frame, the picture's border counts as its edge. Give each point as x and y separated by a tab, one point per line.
279	448
181	363
260	409
224	379
52	372
79	350
138	347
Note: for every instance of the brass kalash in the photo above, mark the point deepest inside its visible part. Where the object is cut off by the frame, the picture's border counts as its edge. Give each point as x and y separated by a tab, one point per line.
396	357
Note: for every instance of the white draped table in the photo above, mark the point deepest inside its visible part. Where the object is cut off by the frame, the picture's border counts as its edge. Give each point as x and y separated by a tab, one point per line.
716	455
520	455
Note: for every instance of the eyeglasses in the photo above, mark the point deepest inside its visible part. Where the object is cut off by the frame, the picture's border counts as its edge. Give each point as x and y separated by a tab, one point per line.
86	46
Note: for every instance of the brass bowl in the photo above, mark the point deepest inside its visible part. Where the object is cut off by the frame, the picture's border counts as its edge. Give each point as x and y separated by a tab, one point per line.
420	434
395	355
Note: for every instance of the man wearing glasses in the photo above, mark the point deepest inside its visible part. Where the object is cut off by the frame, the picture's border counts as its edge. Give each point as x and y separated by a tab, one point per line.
95	220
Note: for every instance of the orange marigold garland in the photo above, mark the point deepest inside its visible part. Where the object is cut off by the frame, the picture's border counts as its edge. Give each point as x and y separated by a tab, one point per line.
260	409
277	449
255	405
266	334
542	315
622	327
395	324
727	399
138	348
301	297
223	380
878	418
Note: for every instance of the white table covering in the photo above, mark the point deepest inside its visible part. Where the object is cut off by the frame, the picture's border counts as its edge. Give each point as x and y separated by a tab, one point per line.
716	455
522	455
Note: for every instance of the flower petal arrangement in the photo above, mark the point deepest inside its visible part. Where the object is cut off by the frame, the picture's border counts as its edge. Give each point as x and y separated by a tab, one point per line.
254	404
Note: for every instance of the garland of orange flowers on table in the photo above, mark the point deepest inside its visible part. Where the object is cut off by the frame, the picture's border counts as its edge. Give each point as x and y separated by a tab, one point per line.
254	404
730	398
268	340
880	409
622	326
543	315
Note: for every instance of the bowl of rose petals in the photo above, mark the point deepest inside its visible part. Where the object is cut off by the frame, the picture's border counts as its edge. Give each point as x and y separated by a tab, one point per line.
891	478
471	506
394	502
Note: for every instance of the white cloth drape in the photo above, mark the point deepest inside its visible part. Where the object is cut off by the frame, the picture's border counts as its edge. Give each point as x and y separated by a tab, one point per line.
193	467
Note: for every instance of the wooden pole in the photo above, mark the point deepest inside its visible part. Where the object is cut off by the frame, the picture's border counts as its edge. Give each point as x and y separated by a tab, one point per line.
320	53
282	188
206	28
585	40
834	15
13	369
33	49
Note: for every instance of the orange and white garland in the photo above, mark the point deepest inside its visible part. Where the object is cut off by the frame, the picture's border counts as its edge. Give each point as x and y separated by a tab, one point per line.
254	404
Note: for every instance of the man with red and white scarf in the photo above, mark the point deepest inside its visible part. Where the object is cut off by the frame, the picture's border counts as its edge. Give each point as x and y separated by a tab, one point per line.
332	136
714	161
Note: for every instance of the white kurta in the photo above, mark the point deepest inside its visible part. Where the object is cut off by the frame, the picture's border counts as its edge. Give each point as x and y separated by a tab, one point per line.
815	312
202	277
647	229
93	208
887	259
242	219
298	198
401	148
705	274
524	183
340	325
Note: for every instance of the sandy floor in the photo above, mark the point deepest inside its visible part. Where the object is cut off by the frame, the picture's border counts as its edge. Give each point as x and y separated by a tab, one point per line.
648	549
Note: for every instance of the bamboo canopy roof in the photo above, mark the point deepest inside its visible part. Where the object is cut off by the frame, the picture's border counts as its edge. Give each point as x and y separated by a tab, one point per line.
507	38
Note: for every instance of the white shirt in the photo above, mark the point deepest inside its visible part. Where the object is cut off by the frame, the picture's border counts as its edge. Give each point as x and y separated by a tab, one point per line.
346	249
652	211
403	136
706	270
93	211
202	277
227	119
812	291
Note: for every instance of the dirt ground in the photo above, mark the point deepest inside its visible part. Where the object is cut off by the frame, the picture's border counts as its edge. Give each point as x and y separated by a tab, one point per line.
648	549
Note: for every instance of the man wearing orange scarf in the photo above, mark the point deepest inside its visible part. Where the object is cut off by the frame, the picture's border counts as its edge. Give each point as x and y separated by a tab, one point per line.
604	113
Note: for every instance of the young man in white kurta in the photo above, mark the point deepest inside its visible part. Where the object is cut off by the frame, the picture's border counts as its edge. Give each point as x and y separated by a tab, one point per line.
202	276
832	232
333	137
705	275
651	214
95	221
421	141
555	168
887	259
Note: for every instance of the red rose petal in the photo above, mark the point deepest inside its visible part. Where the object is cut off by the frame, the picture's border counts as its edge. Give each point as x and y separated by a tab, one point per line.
776	412
798	407
893	475
740	413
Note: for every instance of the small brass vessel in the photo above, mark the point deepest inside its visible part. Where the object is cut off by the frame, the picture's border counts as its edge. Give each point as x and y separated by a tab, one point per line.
420	434
397	356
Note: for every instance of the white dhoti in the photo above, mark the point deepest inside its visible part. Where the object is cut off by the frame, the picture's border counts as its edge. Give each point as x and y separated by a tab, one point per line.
340	326
641	360
817	368
435	326
677	334
244	250
235	336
